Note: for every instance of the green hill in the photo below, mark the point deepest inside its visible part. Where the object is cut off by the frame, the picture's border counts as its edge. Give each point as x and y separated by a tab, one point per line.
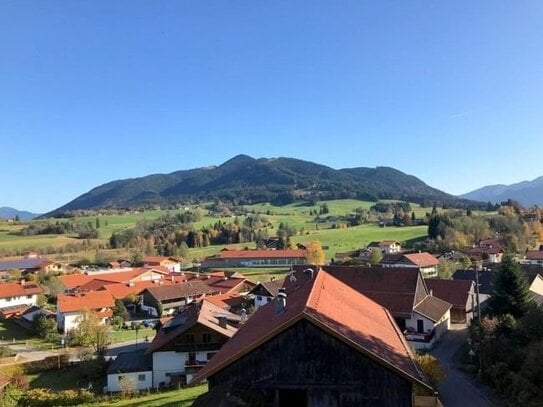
246	180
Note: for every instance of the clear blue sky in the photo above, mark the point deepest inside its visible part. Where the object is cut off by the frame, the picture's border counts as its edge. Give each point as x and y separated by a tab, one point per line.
449	91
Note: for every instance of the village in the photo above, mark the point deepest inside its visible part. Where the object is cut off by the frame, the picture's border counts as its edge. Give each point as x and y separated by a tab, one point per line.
381	303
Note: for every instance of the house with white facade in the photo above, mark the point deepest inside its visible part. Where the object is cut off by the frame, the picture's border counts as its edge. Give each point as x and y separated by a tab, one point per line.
130	370
171	263
533	257
16	298
265	292
71	307
386	246
424	261
184	344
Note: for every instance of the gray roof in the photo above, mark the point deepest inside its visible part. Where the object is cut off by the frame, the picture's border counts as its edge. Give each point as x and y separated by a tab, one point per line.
24	264
133	361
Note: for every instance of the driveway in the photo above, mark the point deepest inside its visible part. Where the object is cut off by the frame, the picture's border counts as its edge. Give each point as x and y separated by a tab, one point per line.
458	389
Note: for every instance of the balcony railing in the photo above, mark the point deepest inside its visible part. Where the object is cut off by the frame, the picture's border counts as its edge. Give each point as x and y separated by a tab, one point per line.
413	336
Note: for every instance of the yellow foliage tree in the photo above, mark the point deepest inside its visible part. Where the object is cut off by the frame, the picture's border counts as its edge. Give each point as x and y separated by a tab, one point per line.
431	368
314	253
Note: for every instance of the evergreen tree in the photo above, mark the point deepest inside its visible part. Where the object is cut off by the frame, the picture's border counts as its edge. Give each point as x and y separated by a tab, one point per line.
510	290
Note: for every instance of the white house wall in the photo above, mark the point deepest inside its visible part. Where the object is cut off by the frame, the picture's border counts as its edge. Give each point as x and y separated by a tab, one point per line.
172	362
113	382
18	300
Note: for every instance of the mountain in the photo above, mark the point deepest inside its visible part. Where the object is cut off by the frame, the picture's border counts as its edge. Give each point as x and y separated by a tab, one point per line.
528	193
245	180
10	213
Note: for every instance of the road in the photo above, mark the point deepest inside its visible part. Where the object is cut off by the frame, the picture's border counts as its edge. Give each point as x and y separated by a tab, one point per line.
457	390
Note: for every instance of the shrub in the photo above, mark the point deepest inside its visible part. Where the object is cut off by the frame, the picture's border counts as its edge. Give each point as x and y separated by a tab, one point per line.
47	398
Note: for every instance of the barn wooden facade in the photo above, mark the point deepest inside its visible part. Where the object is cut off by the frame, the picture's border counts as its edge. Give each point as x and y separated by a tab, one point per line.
325	345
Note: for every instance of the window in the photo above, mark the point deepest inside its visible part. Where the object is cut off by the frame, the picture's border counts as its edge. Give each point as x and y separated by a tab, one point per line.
259	298
9	299
206	337
269	299
210	355
120	378
29	297
141	378
190	338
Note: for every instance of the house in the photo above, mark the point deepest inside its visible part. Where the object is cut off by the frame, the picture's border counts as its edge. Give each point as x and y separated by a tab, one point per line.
485	254
170	263
319	343
70	308
536	289
132	370
533	257
184	344
422	318
164	300
31	264
255	258
264	292
423	261
16	298
386	246
27	317
459	293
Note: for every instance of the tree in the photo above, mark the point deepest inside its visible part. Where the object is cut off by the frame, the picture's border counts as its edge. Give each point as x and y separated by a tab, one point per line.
510	290
431	368
46	328
120	310
91	332
445	268
314	253
376	256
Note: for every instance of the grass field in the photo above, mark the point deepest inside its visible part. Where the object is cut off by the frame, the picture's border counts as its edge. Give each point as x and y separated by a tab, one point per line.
125	335
296	215
172	398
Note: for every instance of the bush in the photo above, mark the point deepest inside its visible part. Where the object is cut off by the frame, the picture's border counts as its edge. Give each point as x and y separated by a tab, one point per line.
47	398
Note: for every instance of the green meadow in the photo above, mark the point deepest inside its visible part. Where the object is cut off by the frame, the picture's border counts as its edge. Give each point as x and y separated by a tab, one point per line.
296	215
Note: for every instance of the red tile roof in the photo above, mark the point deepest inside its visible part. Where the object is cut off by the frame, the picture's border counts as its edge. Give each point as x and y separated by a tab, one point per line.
18	289
204	313
338	310
396	288
534	255
258	254
432	308
423	259
455	292
91	300
71	281
226	301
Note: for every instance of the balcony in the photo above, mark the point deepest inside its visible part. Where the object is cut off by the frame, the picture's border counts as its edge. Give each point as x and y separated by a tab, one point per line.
413	336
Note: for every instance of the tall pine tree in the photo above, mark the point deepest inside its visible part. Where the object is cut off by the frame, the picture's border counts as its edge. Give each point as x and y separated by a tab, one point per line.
510	291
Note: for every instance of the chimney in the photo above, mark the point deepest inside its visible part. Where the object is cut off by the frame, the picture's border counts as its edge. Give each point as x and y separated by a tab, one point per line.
173	279
222	321
310	271
22	281
281	301
243	313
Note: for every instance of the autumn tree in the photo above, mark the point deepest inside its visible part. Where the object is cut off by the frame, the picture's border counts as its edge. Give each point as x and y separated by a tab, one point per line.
431	368
375	257
92	332
314	253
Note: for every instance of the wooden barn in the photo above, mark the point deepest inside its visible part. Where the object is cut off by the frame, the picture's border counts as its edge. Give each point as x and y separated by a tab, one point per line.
318	343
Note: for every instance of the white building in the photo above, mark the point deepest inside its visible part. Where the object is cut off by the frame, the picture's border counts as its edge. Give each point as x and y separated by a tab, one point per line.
184	344
17	297
130	371
70	308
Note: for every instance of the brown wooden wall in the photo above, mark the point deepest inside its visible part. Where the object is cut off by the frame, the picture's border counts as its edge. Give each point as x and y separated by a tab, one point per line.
305	357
